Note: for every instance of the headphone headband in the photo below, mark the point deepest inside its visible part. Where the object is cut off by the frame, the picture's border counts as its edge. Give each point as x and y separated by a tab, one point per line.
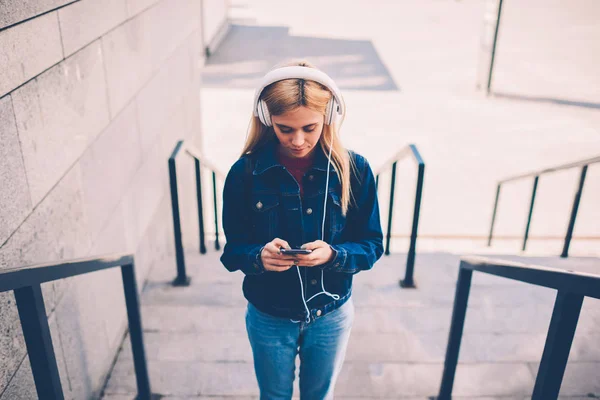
299	72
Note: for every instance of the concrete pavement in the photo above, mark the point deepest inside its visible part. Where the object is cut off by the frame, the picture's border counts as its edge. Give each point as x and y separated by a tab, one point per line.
408	71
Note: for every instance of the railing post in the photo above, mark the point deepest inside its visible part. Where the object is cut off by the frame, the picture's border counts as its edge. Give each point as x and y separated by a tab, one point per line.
391	210
200	206
181	279
489	83
30	303
408	281
214	178
533	193
494	215
136	332
459	311
567	243
558	345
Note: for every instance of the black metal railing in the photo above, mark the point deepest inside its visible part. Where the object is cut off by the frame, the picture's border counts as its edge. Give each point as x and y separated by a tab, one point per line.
536	174
572	287
182	279
411	149
494	46
26	284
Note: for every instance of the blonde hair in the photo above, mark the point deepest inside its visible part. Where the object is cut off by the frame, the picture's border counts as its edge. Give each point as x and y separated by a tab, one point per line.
289	94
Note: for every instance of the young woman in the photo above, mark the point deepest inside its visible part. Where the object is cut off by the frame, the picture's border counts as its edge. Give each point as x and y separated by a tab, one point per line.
296	187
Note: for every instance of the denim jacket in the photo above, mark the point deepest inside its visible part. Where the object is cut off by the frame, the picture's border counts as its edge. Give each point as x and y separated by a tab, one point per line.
274	208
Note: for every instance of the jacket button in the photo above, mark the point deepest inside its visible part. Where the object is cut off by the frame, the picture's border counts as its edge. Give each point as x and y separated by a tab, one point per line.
319	313
259	205
311	177
314	281
309	211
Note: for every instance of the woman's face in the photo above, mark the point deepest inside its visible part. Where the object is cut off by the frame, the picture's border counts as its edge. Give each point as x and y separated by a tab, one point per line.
298	131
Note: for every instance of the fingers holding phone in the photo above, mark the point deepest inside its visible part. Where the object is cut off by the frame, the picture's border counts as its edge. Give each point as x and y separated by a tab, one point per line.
320	253
274	260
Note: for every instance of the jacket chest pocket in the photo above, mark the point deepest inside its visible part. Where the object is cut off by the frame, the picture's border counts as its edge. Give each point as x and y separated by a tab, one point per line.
337	221
265	215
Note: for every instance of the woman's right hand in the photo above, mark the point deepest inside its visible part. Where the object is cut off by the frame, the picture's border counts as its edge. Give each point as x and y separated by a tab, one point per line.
272	258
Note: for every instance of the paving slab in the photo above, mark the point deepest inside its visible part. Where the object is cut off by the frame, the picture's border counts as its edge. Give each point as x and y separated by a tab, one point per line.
175	378
580	378
195	347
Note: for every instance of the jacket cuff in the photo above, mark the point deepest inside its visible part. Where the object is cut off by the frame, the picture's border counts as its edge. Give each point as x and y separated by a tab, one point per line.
338	261
257	266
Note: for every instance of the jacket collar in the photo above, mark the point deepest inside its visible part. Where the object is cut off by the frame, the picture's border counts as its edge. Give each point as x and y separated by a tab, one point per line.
266	158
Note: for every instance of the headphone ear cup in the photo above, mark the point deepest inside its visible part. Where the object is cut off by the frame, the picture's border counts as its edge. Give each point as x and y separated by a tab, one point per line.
263	113
331	111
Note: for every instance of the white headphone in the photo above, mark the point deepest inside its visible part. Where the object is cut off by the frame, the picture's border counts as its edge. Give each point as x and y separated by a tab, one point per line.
334	108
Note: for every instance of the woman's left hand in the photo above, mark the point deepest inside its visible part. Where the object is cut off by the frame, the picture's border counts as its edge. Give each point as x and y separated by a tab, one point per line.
321	253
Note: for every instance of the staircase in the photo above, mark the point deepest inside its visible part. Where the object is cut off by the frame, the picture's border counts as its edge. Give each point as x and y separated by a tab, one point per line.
197	346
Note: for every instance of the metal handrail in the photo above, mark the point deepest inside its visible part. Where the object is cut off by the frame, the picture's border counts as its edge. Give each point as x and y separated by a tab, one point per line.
572	287
536	174
182	279
411	149
581	163
26	282
194	152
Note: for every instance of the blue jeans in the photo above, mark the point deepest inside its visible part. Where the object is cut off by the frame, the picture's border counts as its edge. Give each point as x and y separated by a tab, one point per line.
321	345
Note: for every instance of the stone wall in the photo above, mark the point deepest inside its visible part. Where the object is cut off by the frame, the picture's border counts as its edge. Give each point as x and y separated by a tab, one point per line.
94	95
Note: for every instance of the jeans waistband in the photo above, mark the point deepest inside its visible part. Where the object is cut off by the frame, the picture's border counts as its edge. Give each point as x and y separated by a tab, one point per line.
300	315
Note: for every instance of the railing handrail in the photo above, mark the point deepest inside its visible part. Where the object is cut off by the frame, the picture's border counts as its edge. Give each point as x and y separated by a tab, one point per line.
536	174
571	287
574	164
410	149
25	282
197	154
582	283
16	278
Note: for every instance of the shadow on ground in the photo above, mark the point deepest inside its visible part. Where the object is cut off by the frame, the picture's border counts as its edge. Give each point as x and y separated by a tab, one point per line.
248	52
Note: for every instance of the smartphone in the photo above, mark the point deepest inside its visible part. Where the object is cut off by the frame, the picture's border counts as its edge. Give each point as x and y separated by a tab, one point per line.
295	251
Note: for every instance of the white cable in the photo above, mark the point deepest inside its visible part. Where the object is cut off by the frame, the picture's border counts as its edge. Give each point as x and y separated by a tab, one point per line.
303	300
326	188
333	296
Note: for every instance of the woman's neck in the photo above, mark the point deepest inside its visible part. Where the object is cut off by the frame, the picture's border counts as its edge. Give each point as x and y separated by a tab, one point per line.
288	158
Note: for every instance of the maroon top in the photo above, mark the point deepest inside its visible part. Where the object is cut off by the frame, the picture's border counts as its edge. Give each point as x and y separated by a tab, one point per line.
297	167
